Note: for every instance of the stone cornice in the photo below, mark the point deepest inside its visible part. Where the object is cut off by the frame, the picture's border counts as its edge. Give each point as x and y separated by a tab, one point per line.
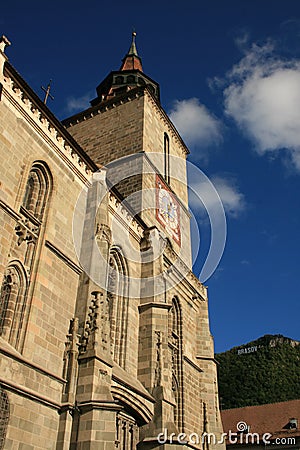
10	352
153	305
207	358
190	279
143	393
75	267
104	106
124	98
99	404
31	395
191	363
29	106
197	285
119	210
13	214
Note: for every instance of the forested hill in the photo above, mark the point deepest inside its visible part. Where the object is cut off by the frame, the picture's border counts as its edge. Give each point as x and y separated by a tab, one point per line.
266	370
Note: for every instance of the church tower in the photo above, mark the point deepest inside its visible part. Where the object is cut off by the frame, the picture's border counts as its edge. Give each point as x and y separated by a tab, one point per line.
126	119
127	131
104	328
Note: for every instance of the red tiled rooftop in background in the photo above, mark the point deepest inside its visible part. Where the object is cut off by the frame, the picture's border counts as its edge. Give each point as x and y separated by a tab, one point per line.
271	418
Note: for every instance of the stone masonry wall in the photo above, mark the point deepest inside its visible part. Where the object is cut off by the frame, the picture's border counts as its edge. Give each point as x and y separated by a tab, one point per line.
33	374
112	134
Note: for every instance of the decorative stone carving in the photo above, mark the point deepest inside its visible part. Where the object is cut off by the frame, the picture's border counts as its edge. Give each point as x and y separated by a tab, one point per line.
27	108
157	376
4	42
96	331
70	371
103	233
120	208
26	231
145	243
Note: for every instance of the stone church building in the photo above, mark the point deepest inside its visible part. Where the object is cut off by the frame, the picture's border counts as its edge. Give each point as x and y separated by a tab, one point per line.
104	331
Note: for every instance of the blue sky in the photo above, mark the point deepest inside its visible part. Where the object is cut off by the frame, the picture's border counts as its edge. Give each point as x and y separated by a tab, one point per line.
232	68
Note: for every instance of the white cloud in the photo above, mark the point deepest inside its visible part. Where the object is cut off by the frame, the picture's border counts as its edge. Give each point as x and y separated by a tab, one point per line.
233	200
245	262
78	104
195	123
263	97
228	192
242	39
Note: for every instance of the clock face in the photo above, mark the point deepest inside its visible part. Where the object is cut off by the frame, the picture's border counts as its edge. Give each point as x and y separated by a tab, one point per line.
168	208
168	211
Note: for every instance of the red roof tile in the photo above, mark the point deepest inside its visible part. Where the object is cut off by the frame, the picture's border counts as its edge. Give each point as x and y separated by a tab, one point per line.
272	418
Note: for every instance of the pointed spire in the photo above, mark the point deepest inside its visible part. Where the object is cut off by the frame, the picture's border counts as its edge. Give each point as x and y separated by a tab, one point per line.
133	50
132	61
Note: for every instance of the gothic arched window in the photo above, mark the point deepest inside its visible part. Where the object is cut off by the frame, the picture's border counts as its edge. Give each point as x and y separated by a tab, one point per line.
118	305
4	301
126	431
175	347
37	190
13	304
4	416
166	158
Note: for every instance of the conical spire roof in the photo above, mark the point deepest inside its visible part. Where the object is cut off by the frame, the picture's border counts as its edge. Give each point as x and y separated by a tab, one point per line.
129	76
132	61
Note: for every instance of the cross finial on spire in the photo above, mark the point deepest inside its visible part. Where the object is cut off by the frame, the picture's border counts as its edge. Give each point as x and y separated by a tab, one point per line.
47	92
